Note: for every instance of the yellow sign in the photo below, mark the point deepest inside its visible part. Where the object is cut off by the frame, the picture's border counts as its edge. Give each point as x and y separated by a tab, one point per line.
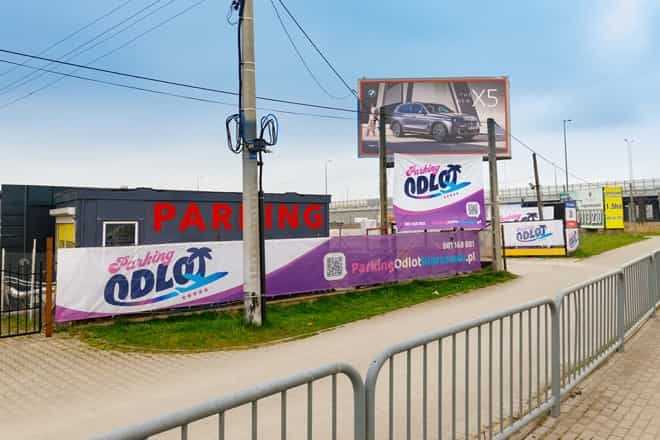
535	252
613	201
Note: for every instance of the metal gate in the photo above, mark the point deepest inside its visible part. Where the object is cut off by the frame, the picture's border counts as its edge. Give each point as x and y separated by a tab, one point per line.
20	301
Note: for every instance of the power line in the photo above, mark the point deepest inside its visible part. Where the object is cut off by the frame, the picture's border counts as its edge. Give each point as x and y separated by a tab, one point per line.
300	56
174	83
72	34
153	28
341	78
170	94
77	50
545	158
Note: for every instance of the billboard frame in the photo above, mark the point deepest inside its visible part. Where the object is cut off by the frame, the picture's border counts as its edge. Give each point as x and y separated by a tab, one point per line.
507	108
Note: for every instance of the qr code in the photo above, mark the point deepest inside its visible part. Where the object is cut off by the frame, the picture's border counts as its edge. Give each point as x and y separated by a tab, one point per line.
473	209
334	266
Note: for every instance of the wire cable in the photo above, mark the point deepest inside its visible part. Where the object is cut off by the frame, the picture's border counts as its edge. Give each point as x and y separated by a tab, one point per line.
72	34
300	56
132	40
80	49
341	78
175	95
175	83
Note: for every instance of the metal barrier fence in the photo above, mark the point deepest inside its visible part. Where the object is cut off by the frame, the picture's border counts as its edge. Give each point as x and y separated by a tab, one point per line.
516	366
497	405
183	420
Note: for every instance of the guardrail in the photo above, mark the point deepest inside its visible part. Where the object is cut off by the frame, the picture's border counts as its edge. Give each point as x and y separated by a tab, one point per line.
496	340
182	420
516	366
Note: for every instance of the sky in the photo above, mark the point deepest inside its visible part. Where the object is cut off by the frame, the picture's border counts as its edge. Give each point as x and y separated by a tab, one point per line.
595	62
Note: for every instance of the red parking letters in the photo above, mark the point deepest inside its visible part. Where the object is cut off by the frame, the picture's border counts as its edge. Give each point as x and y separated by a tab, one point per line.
222	216
287	215
313	217
268	221
192	217
163	212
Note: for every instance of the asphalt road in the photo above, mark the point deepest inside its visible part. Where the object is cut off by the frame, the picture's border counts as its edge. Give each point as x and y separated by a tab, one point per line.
62	389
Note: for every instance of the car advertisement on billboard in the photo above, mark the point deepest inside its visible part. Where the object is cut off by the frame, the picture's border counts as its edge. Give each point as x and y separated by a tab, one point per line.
434	116
438	192
613	201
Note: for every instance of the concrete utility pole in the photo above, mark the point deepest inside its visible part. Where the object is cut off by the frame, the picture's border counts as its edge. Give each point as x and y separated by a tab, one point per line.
631	206
566	121
251	255
498	264
326	175
382	170
537	185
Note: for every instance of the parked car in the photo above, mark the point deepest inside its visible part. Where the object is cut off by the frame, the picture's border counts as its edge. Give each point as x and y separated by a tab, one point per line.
435	120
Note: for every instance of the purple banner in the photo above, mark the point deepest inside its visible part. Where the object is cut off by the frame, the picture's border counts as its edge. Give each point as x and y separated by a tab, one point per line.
99	282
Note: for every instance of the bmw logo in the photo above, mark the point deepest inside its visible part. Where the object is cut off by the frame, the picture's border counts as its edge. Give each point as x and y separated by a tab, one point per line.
371	93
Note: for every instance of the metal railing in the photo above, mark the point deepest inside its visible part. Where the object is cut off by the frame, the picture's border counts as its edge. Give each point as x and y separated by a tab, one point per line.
492	405
487	378
183	420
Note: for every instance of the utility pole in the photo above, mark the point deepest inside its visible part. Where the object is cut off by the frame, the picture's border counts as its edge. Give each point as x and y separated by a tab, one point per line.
382	170
566	153
631	207
498	265
537	185
253	296
326	175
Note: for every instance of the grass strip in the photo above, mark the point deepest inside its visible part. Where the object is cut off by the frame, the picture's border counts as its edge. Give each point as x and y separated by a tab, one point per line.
223	330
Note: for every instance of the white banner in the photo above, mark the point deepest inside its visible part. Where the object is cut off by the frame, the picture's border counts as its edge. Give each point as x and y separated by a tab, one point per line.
591	209
438	192
94	282
534	234
572	240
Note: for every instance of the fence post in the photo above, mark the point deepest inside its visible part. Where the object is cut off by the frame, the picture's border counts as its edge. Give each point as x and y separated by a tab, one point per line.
652	284
556	358
48	312
620	309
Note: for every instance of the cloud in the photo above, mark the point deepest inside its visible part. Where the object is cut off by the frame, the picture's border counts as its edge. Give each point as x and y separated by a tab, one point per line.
620	31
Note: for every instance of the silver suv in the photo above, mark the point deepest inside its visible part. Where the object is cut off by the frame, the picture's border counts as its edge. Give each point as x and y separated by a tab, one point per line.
435	120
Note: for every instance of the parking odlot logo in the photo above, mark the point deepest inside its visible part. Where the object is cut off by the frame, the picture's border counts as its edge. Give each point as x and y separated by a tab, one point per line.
142	285
428	181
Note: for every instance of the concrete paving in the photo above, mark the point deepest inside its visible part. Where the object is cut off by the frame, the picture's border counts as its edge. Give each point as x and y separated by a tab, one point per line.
61	388
620	400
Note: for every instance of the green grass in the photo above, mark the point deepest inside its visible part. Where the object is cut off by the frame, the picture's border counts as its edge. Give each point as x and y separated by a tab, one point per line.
594	243
213	330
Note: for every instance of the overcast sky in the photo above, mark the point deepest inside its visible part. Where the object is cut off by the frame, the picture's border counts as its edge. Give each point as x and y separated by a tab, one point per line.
595	62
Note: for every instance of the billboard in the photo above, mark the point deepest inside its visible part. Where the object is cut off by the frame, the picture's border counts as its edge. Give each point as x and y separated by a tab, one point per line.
613	201
102	282
536	238
431	116
590	208
438	192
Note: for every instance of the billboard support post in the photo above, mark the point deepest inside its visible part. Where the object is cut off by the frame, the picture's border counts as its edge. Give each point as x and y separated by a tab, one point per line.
382	170
494	198
537	185
248	120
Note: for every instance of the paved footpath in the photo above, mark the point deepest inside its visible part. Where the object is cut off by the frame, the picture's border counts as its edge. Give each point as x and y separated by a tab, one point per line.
620	400
60	388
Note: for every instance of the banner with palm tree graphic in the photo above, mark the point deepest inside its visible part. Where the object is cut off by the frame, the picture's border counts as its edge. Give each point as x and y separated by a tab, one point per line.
438	192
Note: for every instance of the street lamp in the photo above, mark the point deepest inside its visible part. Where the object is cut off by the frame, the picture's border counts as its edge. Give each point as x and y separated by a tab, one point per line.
566	121
326	175
633	213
